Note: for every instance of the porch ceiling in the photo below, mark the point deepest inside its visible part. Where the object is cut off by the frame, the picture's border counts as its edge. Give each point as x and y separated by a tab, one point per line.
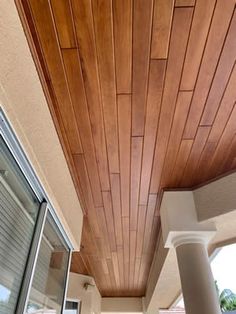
142	94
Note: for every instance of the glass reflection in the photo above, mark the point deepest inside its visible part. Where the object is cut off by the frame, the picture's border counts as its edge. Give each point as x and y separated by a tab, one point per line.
46	295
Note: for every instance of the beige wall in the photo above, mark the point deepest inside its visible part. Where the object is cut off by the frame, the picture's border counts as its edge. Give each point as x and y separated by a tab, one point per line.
122	305
216	198
22	100
90	300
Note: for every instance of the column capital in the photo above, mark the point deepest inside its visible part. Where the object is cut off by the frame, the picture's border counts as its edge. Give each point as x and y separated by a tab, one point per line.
179	220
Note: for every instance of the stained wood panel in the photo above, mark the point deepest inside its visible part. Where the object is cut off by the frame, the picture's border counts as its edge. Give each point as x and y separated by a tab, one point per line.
198	35
178	42
163	10
86	40
143	98
103	26
217	33
142	22
122	12
124	122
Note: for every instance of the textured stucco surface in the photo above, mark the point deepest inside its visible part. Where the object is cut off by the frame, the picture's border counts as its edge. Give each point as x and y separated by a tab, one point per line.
216	198
90	300
24	103
122	305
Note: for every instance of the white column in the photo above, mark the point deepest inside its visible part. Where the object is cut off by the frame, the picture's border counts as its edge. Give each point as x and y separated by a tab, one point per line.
182	231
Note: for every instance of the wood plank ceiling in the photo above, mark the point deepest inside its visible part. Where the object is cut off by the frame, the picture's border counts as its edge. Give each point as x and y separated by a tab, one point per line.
143	95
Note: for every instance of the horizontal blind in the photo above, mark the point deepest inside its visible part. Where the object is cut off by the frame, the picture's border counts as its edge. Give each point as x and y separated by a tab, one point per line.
16	229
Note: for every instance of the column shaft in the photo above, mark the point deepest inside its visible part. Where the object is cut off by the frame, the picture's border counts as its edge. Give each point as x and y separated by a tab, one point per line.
199	291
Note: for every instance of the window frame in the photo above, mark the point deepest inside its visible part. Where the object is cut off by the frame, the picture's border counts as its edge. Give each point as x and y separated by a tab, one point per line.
8	135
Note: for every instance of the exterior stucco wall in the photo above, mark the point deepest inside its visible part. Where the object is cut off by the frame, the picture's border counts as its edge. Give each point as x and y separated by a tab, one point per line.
90	300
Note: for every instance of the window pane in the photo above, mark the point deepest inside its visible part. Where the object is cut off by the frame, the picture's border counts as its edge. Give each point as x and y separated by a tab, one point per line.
18	211
46	295
72	307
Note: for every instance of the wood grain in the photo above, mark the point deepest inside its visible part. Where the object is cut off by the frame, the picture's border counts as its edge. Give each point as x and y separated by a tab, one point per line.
219	26
122	12
142	23
163	11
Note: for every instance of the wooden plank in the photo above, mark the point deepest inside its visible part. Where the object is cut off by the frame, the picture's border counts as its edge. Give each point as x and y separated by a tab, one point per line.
198	35
142	22
149	221
64	24
180	117
116	201
83	18
222	75
88	243
87	193
116	268
225	109
111	273
133	235
103	26
48	40
141	228
122	15
178	42
78	97
197	148
185	3
139	241
136	274
77	264
155	89
124	123
182	158
136	158
109	219
163	11
228	162
204	162
233	165
220	23
126	246
120	256
103	227
224	144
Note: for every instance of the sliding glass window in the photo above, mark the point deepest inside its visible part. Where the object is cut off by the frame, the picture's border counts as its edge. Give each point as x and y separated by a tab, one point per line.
34	248
47	291
18	213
